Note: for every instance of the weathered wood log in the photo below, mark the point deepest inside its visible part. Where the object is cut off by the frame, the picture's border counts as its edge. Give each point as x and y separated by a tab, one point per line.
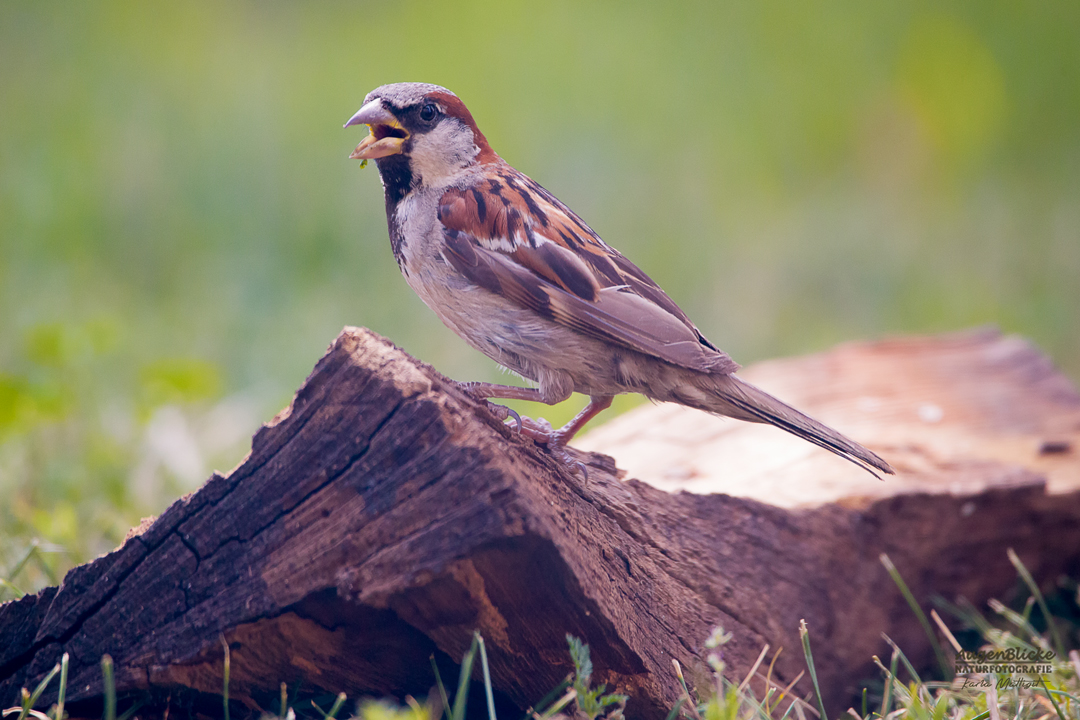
384	516
931	404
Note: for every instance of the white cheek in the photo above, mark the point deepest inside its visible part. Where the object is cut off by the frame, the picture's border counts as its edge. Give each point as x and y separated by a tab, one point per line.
443	152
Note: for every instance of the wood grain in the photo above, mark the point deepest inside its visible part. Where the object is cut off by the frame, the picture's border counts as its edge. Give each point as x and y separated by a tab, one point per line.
384	516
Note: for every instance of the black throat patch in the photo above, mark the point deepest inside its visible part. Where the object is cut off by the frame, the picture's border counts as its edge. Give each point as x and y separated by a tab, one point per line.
397	178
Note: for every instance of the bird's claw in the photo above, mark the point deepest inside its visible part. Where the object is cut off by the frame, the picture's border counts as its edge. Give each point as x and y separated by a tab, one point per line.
539	430
503	413
568	461
517	418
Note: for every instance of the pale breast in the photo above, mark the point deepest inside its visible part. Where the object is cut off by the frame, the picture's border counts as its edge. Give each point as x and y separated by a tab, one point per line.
514	337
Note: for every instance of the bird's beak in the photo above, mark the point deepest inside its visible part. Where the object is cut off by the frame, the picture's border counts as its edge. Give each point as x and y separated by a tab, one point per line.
387	134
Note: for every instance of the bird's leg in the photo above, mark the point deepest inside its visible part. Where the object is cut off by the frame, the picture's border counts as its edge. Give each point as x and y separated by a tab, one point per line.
483	391
597	404
557	439
539	430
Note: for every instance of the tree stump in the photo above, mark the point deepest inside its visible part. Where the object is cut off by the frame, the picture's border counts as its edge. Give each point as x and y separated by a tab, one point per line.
384	516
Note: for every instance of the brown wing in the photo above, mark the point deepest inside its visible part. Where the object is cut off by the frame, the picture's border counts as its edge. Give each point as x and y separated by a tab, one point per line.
510	236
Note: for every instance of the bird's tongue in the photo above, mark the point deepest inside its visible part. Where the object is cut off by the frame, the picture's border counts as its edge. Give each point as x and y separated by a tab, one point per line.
372	147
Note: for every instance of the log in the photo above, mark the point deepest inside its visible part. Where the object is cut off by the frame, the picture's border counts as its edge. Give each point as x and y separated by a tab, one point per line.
384	516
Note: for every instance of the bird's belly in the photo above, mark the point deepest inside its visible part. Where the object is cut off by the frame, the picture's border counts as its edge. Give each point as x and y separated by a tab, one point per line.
505	333
516	338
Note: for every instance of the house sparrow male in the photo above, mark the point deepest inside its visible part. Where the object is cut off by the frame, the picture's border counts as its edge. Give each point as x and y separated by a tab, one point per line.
525	281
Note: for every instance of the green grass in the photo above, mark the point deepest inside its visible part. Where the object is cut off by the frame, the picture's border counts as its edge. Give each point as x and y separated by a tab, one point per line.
757	696
181	233
971	697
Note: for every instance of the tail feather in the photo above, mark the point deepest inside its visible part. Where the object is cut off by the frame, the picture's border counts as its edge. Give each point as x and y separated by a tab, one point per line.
742	400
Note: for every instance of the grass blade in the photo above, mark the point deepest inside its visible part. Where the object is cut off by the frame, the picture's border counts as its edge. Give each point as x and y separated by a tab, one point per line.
30	553
1028	606
1050	695
769	683
903	657
784	692
131	711
675	709
336	707
24	707
992	702
890	678
946	671
17	591
338	702
559	704
804	633
551	696
62	692
41	686
1015	618
487	677
462	697
110	687
945	630
225	674
750	675
442	689
1059	646
966	613
686	691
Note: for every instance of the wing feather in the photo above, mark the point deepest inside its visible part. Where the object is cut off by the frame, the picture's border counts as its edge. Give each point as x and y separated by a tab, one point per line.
510	236
617	315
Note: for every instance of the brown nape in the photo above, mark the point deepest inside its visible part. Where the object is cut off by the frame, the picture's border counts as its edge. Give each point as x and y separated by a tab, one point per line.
453	107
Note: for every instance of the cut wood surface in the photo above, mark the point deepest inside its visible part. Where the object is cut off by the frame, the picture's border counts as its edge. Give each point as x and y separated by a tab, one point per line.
928	404
384	516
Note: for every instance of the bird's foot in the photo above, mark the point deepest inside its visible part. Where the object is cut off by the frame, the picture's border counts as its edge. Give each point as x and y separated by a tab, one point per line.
501	412
538	430
575	466
554	441
508	415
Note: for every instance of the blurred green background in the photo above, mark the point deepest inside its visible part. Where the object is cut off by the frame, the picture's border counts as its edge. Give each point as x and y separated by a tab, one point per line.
181	234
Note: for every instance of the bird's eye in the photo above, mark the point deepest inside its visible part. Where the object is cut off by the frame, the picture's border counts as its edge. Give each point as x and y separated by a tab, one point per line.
428	112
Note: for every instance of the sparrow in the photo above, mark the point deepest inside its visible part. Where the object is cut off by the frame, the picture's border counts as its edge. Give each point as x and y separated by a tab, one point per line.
521	278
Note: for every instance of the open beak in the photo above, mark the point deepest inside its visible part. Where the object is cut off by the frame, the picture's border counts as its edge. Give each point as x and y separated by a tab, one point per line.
387	134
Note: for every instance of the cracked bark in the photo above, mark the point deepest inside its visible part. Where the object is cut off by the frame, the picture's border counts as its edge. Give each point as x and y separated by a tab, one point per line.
384	516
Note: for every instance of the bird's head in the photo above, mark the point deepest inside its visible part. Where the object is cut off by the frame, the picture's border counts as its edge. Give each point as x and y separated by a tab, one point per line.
420	133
